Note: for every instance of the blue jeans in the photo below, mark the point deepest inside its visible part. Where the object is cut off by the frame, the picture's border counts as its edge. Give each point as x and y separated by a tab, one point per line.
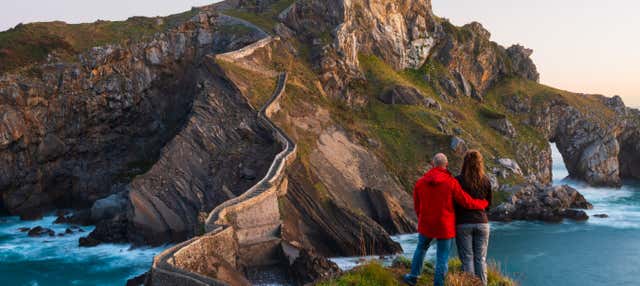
442	258
473	241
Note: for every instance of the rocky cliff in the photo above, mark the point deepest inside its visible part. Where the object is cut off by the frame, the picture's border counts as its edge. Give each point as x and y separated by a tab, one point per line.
159	131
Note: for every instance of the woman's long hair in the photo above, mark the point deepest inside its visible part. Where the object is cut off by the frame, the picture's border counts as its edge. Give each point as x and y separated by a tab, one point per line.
473	170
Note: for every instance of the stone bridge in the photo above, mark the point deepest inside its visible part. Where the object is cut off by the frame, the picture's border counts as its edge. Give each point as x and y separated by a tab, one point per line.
241	233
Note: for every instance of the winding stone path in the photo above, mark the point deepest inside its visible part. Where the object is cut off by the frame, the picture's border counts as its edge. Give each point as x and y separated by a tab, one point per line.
220	234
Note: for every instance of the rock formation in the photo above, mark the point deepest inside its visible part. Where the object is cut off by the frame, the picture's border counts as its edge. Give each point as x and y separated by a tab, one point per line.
158	138
530	202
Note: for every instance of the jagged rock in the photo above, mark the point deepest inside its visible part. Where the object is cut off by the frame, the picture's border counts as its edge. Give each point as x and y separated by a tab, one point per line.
531	202
77	128
283	31
388	213
503	126
109	207
39	231
578	215
82	217
407	95
309	267
511	166
327	227
601	215
107	231
521	61
458	145
138	280
88	242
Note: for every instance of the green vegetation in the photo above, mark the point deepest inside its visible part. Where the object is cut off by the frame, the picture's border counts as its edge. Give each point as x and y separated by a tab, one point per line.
27	44
265	18
259	87
536	94
375	274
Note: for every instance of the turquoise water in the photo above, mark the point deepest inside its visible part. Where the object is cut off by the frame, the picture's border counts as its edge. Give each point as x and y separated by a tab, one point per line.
59	261
601	251
597	252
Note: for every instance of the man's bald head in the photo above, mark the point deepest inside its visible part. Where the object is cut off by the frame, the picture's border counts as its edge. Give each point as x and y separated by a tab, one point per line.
440	160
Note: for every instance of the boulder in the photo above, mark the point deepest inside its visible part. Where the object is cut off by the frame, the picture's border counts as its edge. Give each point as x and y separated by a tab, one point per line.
511	166
545	203
109	207
82	217
107	231
39	231
407	95
308	267
458	145
503	126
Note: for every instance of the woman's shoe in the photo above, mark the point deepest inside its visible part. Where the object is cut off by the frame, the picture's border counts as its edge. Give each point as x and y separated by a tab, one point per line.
409	280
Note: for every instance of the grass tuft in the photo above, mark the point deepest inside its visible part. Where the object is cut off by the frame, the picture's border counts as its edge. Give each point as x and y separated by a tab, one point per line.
373	273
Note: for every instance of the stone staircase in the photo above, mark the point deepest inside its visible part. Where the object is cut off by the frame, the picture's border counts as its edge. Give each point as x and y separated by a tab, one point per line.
241	233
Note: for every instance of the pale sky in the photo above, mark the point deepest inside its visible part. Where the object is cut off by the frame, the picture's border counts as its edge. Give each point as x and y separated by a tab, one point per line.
585	46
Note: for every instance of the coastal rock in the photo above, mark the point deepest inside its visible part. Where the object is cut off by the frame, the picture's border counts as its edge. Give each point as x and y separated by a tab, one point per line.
552	203
388	212
78	128
81	217
109	207
326	227
107	231
309	267
39	231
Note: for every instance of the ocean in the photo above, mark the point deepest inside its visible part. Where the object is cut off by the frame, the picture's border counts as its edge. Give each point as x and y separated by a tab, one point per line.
600	251
59	261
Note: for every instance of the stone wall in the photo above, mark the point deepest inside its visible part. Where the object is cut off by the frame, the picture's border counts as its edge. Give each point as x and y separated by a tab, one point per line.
241	232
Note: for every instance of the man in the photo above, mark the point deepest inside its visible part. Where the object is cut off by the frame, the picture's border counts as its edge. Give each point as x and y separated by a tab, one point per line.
433	197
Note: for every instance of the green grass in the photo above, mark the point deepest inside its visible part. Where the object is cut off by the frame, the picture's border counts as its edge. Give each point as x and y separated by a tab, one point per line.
374	274
265	19
260	87
27	44
409	134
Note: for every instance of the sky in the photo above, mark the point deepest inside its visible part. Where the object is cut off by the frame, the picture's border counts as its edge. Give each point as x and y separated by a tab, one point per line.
588	46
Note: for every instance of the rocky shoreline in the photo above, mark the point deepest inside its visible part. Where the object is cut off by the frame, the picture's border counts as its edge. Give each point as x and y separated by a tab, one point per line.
542	203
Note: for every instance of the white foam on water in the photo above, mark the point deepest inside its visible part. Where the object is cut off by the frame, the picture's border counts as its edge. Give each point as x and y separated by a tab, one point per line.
17	246
621	205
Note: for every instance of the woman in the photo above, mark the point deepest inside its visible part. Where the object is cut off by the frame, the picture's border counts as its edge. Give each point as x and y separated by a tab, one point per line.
472	226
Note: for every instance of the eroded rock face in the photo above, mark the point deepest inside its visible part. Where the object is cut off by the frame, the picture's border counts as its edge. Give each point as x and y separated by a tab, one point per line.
77	132
315	221
404	34
346	168
551	203
222	133
590	150
406	95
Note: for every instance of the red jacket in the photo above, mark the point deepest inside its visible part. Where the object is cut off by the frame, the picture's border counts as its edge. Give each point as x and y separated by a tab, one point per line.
433	198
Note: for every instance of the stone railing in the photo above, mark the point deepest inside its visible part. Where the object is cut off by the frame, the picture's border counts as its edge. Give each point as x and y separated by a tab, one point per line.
246	50
212	259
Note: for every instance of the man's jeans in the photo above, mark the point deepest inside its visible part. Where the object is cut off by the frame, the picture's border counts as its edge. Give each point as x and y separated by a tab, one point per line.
473	241
442	258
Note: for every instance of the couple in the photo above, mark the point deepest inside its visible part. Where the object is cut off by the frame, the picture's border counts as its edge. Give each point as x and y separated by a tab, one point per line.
449	208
